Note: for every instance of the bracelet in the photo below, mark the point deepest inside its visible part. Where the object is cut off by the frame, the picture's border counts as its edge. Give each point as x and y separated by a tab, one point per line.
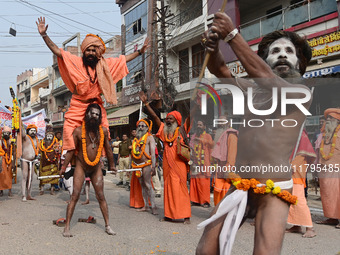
139	52
231	35
44	35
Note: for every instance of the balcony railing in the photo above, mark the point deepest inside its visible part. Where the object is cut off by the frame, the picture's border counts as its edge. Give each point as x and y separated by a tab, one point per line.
184	17
58	83
290	16
26	106
43	92
39	76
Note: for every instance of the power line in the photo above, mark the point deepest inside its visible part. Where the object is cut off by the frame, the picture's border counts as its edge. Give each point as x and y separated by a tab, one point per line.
69	13
80	23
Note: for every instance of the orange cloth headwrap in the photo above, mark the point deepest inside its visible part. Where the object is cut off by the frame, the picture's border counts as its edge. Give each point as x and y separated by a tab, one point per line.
32	126
146	123
177	116
103	72
93	40
334	112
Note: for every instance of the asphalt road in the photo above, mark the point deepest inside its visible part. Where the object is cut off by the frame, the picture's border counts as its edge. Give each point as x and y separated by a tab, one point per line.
26	228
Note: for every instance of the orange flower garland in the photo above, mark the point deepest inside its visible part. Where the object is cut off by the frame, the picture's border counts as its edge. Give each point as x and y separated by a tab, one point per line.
331	153
9	159
269	187
141	143
35	148
170	140
2	152
101	145
48	149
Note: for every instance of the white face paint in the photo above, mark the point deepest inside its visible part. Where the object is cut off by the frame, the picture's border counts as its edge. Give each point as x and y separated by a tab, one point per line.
32	132
282	55
49	136
94	113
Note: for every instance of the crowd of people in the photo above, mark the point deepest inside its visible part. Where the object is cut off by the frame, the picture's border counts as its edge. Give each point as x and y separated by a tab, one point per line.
186	151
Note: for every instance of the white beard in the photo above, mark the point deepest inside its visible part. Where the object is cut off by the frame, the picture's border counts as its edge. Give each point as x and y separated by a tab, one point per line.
170	130
329	129
140	133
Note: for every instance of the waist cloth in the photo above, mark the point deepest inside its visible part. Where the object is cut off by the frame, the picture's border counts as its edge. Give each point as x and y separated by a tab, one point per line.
235	206
31	162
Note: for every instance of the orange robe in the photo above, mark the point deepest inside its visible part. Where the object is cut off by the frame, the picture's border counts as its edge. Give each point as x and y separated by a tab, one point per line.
330	182
136	196
221	186
176	195
299	214
74	74
200	183
6	175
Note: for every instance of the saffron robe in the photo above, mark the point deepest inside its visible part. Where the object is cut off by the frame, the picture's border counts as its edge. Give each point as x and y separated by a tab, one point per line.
136	196
200	182
6	174
221	186
330	182
299	214
74	74
176	195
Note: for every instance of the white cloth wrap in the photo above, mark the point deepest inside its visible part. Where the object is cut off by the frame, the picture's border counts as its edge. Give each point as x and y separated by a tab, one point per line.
234	206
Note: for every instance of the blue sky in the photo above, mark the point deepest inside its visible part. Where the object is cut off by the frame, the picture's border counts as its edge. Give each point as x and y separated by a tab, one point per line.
65	18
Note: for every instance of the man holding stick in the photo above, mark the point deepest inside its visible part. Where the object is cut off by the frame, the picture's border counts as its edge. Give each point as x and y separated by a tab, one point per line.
281	54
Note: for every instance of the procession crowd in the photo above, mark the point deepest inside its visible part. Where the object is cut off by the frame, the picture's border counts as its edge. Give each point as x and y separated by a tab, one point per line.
181	147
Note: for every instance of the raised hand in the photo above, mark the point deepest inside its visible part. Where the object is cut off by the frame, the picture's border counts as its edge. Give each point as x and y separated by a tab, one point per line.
42	28
146	45
143	97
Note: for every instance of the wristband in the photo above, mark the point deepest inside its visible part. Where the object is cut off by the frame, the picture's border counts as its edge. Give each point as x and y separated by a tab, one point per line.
44	35
231	35
139	52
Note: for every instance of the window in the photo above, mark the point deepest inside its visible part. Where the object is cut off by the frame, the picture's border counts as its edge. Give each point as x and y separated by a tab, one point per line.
183	66
119	86
28	98
197	59
137	27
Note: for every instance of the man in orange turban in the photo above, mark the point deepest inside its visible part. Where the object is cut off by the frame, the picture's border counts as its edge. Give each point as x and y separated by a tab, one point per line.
87	78
6	151
330	157
176	195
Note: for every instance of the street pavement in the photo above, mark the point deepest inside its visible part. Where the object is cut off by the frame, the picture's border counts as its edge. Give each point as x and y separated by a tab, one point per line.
26	227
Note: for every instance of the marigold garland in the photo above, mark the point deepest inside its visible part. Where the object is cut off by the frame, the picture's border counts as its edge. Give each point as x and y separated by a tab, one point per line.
141	143
331	153
100	148
48	149
269	187
170	140
8	159
2	152
36	150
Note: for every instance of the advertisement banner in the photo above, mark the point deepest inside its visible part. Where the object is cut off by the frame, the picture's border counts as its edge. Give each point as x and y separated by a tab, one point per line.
5	117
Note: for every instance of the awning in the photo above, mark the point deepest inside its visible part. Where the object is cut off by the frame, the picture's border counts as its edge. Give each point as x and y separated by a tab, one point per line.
322	72
125	111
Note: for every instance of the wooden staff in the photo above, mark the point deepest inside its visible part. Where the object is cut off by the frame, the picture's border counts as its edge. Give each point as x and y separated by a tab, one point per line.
206	59
125	170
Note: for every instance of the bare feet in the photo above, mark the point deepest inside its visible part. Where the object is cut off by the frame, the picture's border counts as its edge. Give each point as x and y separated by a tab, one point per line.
41	192
294	229
86	202
1	193
52	191
30	198
143	209
109	231
154	211
337	226
310	233
165	219
10	194
186	221
24	199
67	233
328	222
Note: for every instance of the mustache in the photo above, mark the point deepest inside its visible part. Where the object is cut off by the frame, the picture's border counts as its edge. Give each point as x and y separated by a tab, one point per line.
283	62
